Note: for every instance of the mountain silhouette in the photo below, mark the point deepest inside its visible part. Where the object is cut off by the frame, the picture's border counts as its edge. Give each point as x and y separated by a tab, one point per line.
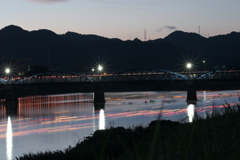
74	52
221	50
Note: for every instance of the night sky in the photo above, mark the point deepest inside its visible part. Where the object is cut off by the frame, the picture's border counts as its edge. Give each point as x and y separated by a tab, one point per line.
124	19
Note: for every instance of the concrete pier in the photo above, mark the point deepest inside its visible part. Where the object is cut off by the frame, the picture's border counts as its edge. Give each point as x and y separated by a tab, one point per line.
191	92
99	96
10	95
99	106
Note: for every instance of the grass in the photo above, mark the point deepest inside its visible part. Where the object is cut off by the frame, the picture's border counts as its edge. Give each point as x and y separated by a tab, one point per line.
215	137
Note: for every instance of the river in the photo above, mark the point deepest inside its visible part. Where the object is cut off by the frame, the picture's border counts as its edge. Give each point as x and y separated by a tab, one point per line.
55	122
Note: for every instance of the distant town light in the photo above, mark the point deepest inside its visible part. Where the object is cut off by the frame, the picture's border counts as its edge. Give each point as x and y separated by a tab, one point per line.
7	70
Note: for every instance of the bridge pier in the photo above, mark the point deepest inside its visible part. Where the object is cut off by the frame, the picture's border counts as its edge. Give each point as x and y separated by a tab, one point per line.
99	106
191	93
10	95
11	100
99	96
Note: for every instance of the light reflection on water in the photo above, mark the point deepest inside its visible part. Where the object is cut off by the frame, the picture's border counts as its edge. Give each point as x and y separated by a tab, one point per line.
9	139
190	111
101	120
54	122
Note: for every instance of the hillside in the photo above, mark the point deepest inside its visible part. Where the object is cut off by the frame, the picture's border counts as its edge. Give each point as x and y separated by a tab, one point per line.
73	51
217	51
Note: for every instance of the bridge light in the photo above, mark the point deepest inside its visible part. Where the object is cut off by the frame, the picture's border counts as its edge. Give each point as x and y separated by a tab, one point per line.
100	67
189	65
7	70
204	67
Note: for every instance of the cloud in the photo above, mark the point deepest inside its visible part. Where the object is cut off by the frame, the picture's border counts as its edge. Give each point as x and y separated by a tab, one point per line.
48	1
166	27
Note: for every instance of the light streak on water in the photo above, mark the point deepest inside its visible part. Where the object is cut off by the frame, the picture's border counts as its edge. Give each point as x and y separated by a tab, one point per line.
73	116
204	96
93	118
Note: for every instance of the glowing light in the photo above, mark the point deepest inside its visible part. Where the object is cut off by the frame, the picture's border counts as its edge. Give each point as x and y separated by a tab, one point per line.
100	67
7	70
9	139
189	65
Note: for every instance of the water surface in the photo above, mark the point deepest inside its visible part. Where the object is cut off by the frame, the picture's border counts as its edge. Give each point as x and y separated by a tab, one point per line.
54	122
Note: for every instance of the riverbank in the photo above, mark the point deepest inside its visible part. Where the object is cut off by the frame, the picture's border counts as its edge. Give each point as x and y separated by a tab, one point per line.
216	137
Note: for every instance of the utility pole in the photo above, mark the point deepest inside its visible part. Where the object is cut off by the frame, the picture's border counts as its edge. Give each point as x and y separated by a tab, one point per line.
145	35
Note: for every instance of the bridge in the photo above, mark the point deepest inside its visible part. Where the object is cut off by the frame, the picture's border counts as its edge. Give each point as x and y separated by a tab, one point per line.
129	75
135	76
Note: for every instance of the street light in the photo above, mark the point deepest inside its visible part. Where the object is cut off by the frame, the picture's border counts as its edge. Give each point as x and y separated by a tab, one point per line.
204	65
93	71
100	69
189	66
7	71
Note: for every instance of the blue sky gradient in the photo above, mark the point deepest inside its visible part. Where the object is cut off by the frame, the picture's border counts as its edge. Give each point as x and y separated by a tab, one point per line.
124	19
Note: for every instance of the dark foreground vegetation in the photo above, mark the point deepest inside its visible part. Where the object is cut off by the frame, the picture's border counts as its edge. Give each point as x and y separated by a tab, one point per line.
216	137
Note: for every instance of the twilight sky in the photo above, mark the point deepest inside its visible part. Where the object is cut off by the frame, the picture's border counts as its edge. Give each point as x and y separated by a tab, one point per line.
124	19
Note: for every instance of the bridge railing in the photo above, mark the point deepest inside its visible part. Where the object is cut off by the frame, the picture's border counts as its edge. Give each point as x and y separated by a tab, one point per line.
130	75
